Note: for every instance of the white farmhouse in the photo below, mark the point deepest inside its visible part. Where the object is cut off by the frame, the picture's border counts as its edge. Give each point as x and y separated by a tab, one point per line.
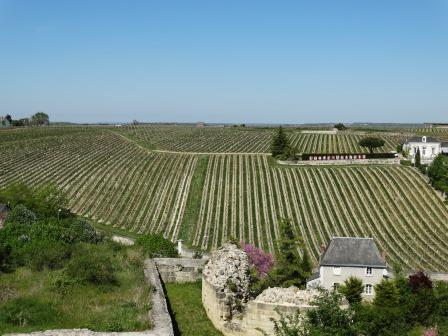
429	148
348	256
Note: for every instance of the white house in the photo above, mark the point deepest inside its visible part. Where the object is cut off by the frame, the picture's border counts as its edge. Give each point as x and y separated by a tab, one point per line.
429	148
349	256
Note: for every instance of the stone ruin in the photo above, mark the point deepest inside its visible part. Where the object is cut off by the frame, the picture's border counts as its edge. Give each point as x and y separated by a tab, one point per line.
228	272
226	295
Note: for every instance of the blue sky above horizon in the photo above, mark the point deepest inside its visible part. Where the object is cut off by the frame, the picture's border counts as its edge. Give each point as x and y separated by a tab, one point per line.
225	61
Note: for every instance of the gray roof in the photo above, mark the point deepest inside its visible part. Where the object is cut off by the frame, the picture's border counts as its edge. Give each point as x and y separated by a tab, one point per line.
349	251
419	139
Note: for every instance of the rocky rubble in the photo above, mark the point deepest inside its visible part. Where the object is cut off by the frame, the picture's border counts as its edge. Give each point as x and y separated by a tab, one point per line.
287	296
228	271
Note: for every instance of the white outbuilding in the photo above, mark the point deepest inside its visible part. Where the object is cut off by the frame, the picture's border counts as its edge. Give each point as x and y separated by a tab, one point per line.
429	148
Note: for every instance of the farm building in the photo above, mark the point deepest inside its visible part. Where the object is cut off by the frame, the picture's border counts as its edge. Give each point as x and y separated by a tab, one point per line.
3	213
445	148
348	256
429	148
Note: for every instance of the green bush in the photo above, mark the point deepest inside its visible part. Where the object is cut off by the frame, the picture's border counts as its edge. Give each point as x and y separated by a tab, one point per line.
40	254
79	230
406	162
21	215
26	312
156	246
91	264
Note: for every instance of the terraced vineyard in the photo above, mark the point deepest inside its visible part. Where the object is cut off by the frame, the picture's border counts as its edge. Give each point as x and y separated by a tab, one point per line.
117	182
244	140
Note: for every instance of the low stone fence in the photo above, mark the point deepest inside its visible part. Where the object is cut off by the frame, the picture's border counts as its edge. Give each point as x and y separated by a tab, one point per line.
340	162
257	315
179	270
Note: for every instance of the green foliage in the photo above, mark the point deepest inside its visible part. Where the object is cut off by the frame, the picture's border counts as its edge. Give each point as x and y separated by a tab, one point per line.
352	290
371	143
40	118
26	312
44	201
328	318
279	143
340	127
417	158
291	269
406	163
386	294
155	246
21	215
91	265
438	173
287	325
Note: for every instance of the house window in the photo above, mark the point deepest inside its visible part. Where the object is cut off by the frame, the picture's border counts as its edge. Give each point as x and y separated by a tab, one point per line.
415	150
433	150
369	289
336	286
336	270
424	150
368	270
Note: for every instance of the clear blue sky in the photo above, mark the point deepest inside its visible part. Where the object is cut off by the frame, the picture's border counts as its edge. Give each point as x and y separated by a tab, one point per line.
225	61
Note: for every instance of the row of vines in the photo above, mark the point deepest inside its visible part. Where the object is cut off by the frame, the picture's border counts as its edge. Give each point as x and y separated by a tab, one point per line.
246	140
106	178
244	197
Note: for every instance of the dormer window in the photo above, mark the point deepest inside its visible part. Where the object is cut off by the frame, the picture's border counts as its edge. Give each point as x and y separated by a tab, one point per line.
423	138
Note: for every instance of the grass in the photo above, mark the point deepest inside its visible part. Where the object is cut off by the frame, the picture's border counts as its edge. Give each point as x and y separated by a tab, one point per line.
193	205
186	304
29	300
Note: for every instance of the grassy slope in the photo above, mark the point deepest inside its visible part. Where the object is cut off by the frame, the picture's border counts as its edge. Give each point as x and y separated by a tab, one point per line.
194	200
185	301
28	301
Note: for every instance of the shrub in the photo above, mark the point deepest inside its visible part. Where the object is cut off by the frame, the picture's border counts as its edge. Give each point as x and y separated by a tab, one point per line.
263	262
91	264
352	289
419	281
406	163
21	215
156	246
79	230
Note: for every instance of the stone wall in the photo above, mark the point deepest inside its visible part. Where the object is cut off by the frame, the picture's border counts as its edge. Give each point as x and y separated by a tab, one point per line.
341	162
179	270
257	315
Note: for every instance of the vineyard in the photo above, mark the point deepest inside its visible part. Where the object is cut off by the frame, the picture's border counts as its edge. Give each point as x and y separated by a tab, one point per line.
245	140
110	177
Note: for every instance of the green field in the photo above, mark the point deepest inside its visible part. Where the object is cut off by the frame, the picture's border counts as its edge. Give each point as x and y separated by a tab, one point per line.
158	179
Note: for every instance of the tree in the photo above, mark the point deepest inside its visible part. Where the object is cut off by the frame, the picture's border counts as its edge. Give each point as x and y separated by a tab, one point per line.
40	118
419	281
438	173
371	143
328	318
340	127
386	294
352	289
279	143
417	158
8	117
291	269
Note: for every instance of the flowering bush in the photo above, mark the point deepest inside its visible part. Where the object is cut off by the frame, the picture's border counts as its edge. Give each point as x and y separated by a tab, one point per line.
263	262
431	332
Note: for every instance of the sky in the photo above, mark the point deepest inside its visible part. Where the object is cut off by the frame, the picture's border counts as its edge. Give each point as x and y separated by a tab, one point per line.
243	61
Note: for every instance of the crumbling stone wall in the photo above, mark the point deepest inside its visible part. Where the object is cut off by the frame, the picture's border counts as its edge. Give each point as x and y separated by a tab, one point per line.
180	270
229	264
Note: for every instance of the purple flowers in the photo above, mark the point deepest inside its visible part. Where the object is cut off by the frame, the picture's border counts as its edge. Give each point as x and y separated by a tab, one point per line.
263	262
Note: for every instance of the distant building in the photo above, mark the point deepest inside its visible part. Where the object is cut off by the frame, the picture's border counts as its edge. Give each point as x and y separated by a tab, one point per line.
348	256
200	124
4	123
3	213
436	125
429	148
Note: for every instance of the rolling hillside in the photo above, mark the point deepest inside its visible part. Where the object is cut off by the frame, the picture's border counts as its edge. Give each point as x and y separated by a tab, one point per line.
114	177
